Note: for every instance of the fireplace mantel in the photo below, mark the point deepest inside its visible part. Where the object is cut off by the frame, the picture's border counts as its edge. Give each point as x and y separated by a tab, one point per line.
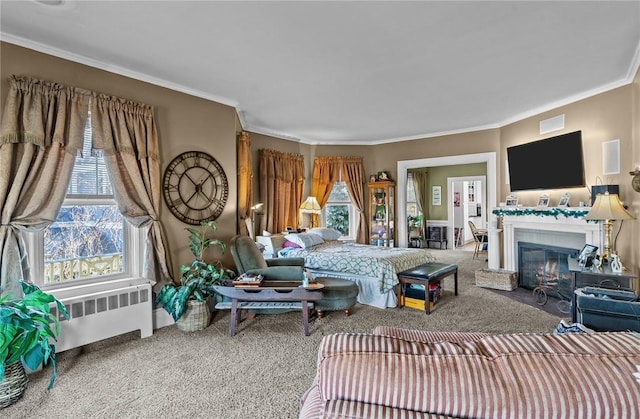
561	227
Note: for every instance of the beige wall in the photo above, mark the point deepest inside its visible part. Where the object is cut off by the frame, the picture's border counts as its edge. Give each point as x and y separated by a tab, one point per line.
601	118
184	123
438	177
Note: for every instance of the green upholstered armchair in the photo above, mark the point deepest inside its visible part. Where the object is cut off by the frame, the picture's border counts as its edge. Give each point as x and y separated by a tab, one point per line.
249	259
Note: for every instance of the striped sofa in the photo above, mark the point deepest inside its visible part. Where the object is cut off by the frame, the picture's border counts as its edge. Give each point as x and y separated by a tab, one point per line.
395	373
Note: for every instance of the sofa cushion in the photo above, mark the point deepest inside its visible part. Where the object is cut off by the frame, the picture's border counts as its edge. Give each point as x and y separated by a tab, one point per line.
425	336
571	375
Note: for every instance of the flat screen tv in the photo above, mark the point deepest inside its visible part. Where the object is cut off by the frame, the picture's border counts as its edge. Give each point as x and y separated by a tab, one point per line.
552	163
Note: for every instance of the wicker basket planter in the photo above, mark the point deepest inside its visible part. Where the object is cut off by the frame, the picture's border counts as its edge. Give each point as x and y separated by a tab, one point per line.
498	279
197	316
13	384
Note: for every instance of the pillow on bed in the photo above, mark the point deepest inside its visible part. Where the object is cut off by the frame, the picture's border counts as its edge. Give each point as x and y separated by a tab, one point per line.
305	240
291	244
326	233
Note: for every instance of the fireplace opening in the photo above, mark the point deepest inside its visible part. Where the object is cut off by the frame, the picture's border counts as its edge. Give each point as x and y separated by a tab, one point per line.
541	265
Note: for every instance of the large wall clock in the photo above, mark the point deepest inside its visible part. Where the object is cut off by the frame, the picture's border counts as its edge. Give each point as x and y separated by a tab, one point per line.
195	187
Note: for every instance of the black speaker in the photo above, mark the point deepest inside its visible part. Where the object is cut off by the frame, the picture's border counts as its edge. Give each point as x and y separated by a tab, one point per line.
601	189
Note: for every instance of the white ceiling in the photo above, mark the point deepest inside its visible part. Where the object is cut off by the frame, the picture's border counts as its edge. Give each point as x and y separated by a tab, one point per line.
350	72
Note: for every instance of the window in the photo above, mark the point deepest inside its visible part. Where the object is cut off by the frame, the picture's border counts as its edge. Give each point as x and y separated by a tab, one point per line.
90	241
339	213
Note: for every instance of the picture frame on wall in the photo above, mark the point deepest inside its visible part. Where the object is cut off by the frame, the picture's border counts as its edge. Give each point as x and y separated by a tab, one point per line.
436	195
564	200
511	201
543	201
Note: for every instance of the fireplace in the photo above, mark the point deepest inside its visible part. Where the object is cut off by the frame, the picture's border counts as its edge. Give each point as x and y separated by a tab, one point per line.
523	226
545	266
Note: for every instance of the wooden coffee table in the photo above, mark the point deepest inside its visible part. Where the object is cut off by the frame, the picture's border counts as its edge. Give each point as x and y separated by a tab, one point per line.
271	295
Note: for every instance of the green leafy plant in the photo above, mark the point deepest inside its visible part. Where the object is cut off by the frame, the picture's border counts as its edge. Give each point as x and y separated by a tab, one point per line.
198	278
25	329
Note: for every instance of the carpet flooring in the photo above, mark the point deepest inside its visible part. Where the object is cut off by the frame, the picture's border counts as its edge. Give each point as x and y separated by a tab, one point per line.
259	373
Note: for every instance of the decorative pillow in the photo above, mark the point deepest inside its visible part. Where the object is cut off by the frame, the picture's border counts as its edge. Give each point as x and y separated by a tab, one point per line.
305	240
291	244
564	327
326	233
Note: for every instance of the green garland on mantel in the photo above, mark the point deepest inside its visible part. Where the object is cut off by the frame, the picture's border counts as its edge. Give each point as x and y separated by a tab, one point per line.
541	212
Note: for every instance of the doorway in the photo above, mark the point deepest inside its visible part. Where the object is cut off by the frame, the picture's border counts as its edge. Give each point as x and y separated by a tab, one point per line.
466	203
403	165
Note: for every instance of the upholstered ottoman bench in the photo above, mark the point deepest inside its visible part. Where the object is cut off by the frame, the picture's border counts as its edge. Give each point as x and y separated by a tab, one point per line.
338	294
426	274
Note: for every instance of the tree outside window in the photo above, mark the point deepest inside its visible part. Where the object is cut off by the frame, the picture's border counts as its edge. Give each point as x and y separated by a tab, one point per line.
339	213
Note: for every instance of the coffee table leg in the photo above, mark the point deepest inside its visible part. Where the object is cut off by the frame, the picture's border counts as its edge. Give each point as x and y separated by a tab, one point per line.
305	317
234	318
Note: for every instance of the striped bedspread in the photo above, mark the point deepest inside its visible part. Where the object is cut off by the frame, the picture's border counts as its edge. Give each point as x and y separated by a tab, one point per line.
501	376
378	262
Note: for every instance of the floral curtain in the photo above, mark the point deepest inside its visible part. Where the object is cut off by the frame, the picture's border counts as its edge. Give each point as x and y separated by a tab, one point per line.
281	183
40	134
245	191
126	133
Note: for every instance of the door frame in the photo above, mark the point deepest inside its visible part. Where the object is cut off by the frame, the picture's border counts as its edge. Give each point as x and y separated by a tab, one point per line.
450	181
404	165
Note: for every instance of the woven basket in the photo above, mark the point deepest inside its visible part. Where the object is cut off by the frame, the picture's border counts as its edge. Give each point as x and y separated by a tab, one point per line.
13	385
197	316
498	279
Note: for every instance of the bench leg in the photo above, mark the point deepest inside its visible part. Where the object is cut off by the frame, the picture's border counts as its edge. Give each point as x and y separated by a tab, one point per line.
455	282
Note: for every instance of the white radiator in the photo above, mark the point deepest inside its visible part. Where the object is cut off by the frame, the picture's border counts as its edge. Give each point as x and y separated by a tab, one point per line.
100	311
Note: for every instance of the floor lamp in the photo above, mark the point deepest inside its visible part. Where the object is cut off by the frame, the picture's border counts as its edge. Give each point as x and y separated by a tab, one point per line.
255	210
312	207
607	208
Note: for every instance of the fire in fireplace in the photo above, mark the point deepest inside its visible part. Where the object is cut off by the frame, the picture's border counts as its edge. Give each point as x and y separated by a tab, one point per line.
545	266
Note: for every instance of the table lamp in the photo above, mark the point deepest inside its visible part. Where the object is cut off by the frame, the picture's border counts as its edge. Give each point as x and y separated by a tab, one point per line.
607	207
312	207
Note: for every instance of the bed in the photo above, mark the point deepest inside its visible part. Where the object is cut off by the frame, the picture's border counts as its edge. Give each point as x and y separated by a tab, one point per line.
373	268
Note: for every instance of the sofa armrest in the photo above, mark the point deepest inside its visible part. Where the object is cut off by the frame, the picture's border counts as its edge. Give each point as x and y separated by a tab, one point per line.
285	262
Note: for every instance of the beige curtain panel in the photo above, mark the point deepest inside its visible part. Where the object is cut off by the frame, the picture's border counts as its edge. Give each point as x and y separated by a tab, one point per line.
329	169
354	177
40	134
245	190
126	132
281	183
420	185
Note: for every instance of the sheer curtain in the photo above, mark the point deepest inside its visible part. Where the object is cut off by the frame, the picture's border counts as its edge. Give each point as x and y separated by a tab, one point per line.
41	133
245	192
281	182
126	132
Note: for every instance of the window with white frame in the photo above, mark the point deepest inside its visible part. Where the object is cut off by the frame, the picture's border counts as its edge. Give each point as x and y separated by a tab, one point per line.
90	241
339	213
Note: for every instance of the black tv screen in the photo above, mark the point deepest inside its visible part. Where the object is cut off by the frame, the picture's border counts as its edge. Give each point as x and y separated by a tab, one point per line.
552	163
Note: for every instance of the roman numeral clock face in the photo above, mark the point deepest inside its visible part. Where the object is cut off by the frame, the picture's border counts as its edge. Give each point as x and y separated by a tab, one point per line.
195	187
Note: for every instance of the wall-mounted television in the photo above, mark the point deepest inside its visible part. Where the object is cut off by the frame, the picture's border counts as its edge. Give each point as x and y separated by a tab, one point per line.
552	163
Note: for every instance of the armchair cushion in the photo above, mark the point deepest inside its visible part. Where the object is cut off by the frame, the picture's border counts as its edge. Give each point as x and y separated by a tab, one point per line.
249	259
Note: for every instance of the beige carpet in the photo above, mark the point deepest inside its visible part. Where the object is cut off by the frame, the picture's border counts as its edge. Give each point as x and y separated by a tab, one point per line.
259	373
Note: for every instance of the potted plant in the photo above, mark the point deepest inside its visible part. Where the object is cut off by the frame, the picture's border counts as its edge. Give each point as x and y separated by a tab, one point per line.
187	301
25	339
